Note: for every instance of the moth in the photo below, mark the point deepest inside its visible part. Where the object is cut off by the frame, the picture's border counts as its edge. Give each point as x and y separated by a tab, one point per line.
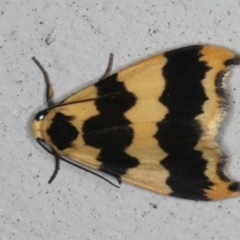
152	124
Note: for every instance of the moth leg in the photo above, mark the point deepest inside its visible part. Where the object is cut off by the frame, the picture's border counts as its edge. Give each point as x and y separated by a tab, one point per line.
49	90
109	67
119	179
112	173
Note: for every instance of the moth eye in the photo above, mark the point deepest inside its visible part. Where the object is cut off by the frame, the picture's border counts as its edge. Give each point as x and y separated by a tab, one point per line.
41	115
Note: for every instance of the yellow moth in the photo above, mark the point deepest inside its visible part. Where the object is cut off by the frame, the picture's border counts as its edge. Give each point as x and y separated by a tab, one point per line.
153	124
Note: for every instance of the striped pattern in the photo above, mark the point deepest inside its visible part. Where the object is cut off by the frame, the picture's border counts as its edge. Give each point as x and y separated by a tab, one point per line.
153	124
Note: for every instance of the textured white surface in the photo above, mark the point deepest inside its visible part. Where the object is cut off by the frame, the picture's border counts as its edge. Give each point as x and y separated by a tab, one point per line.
78	205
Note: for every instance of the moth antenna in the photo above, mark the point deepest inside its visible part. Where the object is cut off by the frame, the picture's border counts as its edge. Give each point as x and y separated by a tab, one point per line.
71	163
57	167
109	67
49	90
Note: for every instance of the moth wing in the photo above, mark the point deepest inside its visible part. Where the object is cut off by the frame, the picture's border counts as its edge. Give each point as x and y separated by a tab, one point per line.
154	123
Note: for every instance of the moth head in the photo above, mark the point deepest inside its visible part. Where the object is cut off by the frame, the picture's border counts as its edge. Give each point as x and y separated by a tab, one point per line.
55	128
38	124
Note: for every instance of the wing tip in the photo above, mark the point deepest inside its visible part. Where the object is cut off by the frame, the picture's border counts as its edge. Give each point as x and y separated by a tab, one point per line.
233	61
234	187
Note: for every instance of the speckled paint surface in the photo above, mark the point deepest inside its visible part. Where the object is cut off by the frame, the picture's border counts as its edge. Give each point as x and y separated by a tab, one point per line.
73	41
